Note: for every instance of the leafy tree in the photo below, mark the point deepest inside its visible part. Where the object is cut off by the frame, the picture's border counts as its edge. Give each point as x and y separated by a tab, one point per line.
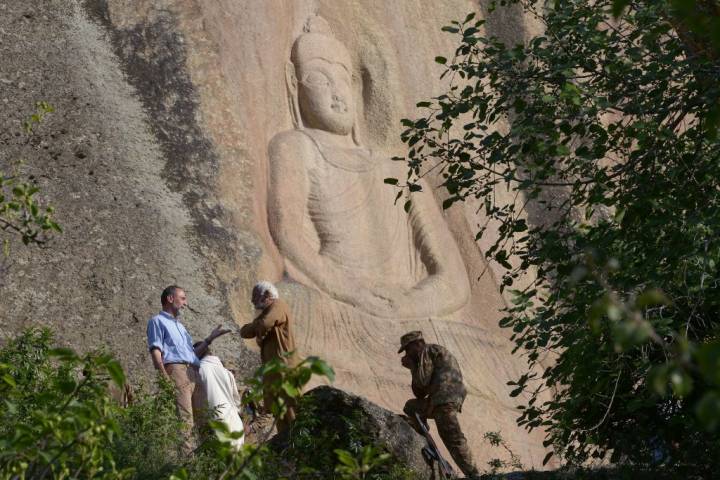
593	155
20	212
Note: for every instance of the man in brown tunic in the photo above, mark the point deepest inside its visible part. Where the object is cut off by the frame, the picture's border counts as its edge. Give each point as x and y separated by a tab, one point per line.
272	330
439	390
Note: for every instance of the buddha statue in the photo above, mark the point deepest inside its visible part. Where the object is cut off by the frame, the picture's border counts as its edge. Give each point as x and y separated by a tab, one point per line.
357	270
332	217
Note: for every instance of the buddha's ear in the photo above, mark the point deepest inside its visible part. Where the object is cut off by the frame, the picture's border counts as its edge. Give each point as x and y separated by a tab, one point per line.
292	92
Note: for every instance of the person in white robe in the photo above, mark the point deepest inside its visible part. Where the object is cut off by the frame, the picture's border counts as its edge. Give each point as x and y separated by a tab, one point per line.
222	395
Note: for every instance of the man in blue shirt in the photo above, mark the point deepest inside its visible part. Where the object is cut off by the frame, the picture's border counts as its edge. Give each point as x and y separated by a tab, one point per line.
172	352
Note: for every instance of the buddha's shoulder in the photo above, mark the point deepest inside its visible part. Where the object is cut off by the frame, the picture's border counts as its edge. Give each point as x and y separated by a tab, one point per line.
291	141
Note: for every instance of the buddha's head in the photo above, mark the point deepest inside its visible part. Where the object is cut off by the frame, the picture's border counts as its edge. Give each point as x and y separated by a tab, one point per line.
320	79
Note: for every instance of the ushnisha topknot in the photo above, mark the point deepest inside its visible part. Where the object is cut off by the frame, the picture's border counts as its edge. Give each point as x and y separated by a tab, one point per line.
318	41
317	24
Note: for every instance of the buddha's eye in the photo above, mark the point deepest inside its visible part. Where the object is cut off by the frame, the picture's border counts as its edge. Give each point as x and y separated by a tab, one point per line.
316	79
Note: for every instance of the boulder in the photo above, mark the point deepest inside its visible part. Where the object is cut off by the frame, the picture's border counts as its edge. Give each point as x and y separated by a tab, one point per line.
351	422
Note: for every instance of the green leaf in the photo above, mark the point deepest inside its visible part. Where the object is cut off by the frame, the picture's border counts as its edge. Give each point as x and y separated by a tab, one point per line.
563	150
291	391
67	386
708	359
320	367
708	410
66	354
502	258
345	458
447	203
116	372
681	383
618	6
7	378
658	379
442	61
391	181
651	297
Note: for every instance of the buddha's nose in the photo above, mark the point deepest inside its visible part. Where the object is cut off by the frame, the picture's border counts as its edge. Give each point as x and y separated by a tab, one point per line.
339	103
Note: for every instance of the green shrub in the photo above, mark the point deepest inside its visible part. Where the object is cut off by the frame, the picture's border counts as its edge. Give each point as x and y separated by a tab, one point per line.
150	434
58	421
56	418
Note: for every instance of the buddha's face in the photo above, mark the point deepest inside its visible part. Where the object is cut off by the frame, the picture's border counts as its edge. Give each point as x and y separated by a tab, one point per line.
325	95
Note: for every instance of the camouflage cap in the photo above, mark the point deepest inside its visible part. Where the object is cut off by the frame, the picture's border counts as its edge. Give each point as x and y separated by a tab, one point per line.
408	338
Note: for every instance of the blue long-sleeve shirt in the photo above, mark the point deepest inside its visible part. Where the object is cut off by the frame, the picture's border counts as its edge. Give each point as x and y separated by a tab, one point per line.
170	336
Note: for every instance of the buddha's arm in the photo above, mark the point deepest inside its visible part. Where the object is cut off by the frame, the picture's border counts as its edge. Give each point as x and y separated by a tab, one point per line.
296	235
447	281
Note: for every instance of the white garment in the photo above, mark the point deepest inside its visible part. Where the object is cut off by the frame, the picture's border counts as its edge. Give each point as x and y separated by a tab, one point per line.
222	394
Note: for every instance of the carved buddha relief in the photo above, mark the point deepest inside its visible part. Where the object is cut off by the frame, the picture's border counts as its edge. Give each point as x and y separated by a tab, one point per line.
330	214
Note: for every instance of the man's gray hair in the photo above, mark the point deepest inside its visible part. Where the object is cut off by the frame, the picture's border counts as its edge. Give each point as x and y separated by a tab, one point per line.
265	286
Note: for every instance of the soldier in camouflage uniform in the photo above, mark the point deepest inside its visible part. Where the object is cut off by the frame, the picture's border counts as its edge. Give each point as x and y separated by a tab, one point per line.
439	390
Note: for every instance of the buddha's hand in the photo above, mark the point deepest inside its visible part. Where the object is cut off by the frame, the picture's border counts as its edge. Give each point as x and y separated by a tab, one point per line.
392	300
353	292
388	301
428	297
368	301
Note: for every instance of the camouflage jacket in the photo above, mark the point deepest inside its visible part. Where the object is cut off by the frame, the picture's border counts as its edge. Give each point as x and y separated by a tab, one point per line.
438	377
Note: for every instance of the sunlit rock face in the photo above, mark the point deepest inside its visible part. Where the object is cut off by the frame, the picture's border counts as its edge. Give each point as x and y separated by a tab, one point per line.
252	143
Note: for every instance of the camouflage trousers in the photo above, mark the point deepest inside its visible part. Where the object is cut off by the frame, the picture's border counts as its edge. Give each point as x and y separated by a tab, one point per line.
448	427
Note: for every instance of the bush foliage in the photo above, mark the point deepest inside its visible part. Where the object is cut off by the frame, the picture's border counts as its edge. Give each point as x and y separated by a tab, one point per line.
56	417
59	419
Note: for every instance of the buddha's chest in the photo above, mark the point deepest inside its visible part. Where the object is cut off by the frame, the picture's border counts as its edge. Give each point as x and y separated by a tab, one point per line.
353	204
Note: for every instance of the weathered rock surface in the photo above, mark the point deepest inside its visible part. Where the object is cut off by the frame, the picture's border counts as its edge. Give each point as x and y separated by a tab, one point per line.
128	228
178	150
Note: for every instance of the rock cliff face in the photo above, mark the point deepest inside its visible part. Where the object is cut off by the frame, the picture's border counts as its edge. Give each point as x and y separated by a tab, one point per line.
215	143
